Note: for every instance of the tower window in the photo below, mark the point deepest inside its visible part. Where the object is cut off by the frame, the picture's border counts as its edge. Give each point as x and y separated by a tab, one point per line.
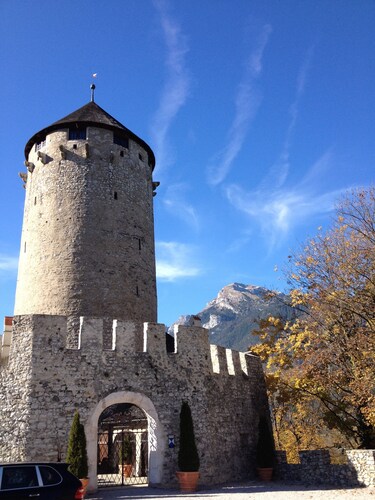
77	133
115	195
122	153
74	146
137	291
40	144
121	140
140	156
139	244
24	247
35	200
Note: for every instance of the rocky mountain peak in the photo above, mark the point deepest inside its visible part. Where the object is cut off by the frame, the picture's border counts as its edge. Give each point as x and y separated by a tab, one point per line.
232	316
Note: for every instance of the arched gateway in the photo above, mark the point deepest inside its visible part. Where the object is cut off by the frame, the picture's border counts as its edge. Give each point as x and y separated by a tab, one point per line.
121	419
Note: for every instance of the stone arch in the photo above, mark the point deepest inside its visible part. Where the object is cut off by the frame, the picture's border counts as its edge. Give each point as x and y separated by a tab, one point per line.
156	435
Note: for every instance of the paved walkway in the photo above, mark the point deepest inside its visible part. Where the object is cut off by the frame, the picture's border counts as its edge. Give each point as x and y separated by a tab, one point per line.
245	491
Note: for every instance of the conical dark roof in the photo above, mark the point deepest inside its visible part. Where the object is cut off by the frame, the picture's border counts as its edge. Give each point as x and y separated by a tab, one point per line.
89	115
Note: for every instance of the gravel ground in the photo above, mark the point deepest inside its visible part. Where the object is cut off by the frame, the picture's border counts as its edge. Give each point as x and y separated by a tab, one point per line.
244	491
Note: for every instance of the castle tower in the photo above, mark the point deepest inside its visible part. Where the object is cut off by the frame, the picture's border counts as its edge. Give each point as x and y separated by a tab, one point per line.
84	336
87	246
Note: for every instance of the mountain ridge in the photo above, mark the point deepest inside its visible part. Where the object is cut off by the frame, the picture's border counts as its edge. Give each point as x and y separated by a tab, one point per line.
235	312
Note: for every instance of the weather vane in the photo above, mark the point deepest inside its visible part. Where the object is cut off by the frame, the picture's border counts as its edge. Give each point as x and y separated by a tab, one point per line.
92	87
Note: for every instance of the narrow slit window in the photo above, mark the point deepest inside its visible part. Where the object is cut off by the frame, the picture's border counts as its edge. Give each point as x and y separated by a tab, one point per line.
115	195
24	247
137	291
35	200
139	244
140	156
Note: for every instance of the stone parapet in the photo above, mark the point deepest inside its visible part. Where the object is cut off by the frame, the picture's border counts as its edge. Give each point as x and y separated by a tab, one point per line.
88	336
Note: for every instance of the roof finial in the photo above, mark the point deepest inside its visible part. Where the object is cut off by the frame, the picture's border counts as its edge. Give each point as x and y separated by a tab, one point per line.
92	87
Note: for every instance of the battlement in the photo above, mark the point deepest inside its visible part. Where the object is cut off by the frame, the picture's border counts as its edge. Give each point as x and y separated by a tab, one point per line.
6	339
93	337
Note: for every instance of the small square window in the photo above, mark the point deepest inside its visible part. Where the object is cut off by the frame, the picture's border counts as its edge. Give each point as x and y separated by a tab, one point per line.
77	133
121	140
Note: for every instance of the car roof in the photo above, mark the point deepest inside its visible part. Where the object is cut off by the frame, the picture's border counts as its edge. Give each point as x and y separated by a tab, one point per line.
12	464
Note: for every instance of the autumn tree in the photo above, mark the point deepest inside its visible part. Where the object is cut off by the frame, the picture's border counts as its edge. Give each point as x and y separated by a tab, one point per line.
326	355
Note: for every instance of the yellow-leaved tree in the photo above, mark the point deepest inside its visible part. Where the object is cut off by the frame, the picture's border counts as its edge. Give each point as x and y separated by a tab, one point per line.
320	367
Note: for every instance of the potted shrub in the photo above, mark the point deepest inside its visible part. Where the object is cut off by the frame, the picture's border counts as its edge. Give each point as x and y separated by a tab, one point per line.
126	456
77	454
188	458
265	458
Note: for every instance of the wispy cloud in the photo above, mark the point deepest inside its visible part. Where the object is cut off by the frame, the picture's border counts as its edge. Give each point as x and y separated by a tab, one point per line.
278	209
175	261
279	171
239	243
8	263
248	99
176	88
175	202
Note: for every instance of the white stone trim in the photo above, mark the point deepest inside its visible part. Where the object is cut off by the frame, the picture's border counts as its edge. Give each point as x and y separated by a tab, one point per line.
156	435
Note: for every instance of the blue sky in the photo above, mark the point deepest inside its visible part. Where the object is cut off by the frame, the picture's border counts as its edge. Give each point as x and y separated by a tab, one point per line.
260	114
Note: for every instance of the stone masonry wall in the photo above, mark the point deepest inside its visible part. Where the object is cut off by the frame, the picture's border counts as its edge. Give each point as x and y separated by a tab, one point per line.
88	220
44	383
315	468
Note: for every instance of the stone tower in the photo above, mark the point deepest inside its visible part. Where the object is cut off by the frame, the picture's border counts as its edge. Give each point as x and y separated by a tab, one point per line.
84	336
87	246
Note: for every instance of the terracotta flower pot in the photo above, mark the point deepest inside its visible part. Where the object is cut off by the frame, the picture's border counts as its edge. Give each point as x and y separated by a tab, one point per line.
127	470
85	483
265	473
188	480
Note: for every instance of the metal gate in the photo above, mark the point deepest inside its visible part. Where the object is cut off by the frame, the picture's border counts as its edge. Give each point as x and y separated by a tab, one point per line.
122	446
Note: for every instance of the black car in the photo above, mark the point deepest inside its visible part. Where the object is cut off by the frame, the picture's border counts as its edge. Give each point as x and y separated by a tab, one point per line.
42	481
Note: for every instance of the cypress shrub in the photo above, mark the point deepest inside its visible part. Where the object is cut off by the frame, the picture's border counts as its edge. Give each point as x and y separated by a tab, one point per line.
126	451
188	458
265	445
77	455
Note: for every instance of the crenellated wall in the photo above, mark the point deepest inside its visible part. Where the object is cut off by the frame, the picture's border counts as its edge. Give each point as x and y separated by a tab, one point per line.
65	335
59	364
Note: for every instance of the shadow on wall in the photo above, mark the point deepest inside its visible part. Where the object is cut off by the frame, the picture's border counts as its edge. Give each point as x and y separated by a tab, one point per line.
315	468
